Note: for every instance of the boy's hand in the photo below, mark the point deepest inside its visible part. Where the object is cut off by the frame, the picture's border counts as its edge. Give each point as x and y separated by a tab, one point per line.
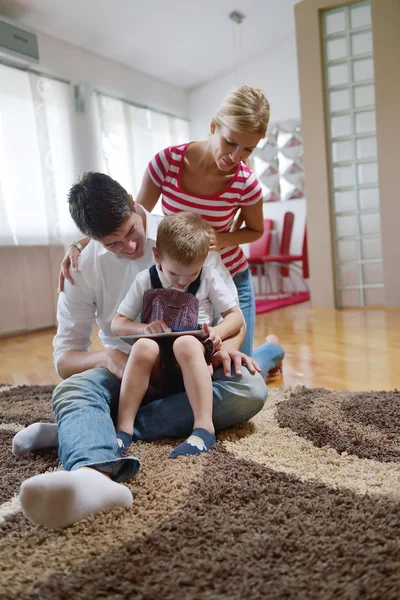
157	327
214	337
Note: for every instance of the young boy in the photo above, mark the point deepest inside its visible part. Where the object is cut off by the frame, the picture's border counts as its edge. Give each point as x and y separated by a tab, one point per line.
178	294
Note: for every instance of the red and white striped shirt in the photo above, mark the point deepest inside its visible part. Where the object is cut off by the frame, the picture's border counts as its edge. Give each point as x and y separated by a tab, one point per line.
218	209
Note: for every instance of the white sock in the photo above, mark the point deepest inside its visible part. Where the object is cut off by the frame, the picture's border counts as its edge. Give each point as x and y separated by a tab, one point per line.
61	498
35	437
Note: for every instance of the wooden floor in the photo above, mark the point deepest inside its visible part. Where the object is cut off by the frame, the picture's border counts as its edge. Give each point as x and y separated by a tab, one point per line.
348	349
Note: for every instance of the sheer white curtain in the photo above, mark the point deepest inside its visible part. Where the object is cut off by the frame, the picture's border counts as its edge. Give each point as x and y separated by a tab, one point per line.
131	136
36	159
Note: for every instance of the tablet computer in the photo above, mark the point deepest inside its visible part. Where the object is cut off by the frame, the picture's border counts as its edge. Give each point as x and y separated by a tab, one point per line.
131	339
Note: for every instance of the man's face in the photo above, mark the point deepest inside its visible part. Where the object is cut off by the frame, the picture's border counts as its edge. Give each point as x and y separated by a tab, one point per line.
129	240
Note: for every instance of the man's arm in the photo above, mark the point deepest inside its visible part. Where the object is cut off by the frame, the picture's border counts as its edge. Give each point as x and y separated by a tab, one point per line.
232	322
230	353
76	314
77	361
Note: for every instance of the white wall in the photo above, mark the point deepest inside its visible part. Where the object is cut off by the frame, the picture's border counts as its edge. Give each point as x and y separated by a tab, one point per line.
275	72
95	72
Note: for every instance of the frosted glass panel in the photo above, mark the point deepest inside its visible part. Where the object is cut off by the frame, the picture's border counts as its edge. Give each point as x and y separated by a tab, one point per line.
343	176
348	275
369	198
371	249
347	250
374	297
367	173
341	126
339	100
361	43
350	298
363	69
346	225
345	201
370	224
366	147
360	16
335	22
350	103
372	273
336	48
364	96
338	74
365	122
342	151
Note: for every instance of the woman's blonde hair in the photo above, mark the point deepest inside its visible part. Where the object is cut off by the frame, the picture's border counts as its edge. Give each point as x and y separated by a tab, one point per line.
245	109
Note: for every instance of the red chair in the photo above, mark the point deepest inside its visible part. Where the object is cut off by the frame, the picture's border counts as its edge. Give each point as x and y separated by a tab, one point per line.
262	246
287	260
305	266
258	250
286	238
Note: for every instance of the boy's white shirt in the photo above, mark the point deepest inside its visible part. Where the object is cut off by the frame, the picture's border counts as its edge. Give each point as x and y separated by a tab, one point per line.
213	295
100	285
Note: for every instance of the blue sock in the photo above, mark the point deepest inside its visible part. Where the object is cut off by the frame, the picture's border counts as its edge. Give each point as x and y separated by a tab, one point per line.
198	442
123	439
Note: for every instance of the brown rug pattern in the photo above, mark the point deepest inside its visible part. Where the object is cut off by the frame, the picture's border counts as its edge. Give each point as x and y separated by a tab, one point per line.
26	404
364	424
268	514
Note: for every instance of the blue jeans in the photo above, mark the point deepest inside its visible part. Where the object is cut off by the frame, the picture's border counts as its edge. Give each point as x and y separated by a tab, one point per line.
245	290
86	406
268	356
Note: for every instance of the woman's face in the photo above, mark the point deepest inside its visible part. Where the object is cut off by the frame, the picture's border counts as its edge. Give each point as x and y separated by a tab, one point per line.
230	147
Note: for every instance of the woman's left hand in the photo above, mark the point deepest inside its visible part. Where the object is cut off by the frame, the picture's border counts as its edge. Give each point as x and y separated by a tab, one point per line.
214	240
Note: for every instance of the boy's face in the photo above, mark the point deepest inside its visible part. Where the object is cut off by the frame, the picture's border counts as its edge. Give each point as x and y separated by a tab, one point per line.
129	240
176	273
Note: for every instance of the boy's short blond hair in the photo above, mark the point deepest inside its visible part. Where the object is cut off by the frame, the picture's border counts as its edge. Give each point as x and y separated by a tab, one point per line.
183	237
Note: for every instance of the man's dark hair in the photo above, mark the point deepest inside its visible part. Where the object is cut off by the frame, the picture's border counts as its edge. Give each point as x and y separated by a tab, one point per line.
99	205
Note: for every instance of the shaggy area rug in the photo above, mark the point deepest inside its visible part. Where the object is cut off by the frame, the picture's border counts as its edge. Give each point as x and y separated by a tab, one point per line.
301	502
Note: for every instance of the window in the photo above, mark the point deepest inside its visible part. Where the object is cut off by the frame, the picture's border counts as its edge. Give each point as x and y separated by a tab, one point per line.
131	136
36	164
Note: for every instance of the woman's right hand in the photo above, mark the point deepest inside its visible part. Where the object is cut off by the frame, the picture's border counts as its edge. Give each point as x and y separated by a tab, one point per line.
69	260
238	222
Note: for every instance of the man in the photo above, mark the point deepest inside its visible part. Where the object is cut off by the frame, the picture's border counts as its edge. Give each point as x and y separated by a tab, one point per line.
86	403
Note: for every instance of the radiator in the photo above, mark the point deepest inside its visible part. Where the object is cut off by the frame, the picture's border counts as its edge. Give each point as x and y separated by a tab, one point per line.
28	287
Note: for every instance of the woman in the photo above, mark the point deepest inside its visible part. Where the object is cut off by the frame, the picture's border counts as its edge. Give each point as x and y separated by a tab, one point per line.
211	178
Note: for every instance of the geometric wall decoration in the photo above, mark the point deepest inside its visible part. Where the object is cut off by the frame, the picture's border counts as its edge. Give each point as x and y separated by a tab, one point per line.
278	162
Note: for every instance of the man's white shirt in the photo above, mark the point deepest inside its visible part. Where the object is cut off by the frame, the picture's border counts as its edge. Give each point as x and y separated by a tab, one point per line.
100	285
